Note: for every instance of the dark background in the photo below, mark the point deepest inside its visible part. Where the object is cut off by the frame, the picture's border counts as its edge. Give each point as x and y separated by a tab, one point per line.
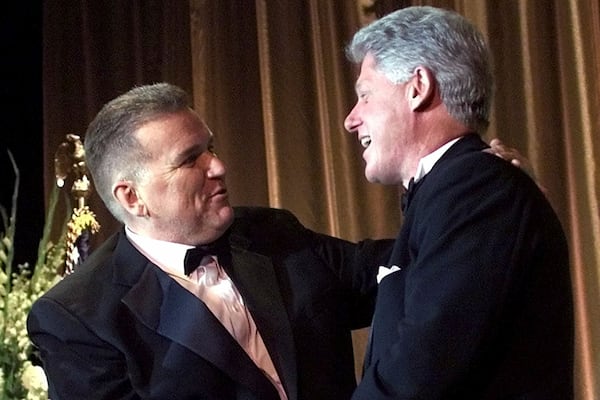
22	122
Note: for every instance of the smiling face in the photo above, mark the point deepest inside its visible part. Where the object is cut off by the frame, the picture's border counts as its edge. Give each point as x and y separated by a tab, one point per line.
181	196
383	122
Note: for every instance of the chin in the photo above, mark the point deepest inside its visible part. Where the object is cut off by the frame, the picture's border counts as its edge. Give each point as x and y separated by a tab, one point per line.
227	215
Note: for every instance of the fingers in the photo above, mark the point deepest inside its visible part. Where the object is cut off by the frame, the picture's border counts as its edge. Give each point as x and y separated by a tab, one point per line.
510	154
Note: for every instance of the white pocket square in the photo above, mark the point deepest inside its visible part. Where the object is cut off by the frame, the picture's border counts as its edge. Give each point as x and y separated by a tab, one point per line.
385	271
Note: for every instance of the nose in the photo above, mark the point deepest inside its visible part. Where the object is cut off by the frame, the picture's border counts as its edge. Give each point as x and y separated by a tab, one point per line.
216	167
352	121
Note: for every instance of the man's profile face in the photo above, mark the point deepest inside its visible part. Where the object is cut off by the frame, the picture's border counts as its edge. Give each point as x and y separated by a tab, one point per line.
184	188
381	120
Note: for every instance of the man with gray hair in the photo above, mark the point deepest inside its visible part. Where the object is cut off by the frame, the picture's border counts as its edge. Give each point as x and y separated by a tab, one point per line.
475	301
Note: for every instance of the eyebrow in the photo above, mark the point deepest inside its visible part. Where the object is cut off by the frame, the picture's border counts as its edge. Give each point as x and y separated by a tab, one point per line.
361	84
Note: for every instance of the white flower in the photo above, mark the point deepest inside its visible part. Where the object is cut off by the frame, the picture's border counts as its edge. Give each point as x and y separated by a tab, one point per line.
33	377
20	287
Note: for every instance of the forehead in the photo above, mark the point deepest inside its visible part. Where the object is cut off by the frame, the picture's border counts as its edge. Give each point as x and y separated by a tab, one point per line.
182	122
369	74
172	131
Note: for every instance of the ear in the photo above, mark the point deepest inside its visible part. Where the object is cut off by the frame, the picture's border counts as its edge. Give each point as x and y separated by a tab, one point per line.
126	194
421	89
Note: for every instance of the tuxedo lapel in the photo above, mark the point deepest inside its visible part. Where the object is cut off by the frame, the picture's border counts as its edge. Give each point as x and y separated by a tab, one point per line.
401	254
254	276
164	306
469	143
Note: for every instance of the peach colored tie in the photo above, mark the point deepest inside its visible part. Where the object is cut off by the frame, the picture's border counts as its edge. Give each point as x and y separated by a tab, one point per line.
221	297
219	294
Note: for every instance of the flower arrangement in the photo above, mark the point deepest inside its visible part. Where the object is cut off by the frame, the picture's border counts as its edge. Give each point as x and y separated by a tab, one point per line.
20	376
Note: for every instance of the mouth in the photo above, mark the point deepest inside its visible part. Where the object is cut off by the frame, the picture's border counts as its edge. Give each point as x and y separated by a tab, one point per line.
365	141
221	191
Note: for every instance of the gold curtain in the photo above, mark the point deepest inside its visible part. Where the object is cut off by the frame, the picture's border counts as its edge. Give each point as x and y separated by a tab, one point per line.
272	81
96	50
273	85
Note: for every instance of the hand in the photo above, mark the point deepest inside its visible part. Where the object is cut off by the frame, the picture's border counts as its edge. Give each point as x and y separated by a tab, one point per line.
517	159
509	154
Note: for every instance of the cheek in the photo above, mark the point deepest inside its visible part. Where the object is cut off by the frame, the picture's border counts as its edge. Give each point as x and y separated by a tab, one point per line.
176	194
189	182
393	131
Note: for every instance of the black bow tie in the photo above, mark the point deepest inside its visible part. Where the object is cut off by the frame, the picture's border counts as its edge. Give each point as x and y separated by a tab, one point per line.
194	256
406	197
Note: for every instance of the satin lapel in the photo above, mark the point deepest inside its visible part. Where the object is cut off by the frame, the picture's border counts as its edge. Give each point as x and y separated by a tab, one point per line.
163	305
254	276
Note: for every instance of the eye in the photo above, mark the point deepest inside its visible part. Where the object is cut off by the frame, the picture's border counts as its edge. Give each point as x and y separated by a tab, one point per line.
189	157
189	161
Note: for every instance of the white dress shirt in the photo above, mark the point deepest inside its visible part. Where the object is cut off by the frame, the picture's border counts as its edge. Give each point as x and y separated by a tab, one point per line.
235	317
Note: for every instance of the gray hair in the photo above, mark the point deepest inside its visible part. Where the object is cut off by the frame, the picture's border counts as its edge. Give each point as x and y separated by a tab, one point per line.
112	151
442	41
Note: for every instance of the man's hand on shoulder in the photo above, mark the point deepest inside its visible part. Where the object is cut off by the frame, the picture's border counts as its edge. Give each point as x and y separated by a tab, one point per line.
517	159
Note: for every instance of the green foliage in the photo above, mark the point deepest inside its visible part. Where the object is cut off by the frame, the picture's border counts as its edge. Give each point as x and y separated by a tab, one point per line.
19	288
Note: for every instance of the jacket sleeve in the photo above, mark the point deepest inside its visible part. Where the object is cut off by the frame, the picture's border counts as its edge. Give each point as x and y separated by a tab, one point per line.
352	265
356	266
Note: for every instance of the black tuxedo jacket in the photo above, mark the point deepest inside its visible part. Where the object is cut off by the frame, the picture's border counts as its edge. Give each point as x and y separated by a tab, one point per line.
121	328
482	306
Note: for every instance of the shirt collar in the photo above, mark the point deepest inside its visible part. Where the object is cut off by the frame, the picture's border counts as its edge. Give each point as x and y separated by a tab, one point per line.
167	255
426	163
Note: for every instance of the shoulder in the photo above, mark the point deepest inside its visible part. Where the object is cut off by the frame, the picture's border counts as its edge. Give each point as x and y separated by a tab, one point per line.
88	282
468	168
468	182
269	227
258	214
266	219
